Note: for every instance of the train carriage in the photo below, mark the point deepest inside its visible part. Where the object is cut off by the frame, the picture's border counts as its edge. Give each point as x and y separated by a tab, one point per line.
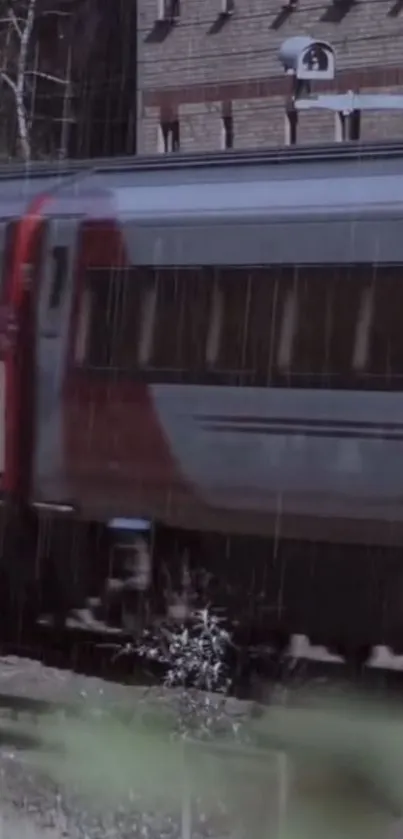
231	346
214	343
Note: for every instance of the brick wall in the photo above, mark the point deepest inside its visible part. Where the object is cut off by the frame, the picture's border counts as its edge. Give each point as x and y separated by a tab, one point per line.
192	68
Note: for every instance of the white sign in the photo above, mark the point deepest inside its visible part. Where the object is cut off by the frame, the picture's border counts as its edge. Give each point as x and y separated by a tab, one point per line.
316	62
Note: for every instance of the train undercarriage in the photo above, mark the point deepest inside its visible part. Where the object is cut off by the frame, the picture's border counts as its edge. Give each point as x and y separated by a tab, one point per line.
347	598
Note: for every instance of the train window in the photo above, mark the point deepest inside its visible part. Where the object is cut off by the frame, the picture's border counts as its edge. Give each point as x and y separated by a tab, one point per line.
194	318
244	323
150	319
203	323
309	358
92	330
98	322
345	339
165	354
214	333
385	367
126	316
363	329
105	325
309	326
318	333
181	318
198	302
236	290
269	289
288	329
147	322
59	276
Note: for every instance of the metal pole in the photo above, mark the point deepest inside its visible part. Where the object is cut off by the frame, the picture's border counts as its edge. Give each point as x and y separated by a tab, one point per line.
186	810
282	775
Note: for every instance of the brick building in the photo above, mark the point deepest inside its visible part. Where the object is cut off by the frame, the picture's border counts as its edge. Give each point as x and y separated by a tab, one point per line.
209	80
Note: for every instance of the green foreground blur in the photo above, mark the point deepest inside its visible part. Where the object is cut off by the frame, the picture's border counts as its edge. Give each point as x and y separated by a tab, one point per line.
344	765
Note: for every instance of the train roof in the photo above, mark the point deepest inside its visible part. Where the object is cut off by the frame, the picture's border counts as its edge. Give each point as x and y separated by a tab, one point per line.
311	166
261	196
262	185
347	200
355	152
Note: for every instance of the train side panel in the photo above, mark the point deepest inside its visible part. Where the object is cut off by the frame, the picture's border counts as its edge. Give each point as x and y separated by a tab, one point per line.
297	454
303	463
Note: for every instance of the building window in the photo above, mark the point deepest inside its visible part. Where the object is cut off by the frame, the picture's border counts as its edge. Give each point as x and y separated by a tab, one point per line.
340	126
227	7
355	125
227	126
348	126
169	138
169	10
291	127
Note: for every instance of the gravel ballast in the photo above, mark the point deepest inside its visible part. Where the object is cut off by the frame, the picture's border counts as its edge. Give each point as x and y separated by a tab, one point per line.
31	805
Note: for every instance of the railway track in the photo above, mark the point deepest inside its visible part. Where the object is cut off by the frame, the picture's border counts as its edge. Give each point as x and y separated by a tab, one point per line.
93	649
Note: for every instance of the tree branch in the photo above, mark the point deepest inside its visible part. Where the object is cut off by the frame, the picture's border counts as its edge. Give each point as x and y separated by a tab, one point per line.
8	80
25	38
19	87
55	13
38	74
14	20
17	32
8	20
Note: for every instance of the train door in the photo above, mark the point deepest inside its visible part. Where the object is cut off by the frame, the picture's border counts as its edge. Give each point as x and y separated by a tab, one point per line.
20	244
52	321
3	350
61	538
20	247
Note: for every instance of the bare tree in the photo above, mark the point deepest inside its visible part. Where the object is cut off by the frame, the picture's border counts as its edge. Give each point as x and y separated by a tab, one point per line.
20	68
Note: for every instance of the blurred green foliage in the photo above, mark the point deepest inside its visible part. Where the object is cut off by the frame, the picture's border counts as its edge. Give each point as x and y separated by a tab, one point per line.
345	756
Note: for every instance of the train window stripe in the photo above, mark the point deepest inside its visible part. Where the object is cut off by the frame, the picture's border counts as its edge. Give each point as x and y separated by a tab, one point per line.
305	327
299	422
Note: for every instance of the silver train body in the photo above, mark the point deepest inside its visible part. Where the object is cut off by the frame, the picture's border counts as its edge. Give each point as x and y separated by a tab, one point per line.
285	411
245	377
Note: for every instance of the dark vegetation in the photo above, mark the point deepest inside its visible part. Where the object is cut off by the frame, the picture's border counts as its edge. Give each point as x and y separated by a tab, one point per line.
68	78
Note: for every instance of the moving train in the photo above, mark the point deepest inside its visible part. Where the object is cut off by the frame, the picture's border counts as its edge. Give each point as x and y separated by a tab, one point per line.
214	344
